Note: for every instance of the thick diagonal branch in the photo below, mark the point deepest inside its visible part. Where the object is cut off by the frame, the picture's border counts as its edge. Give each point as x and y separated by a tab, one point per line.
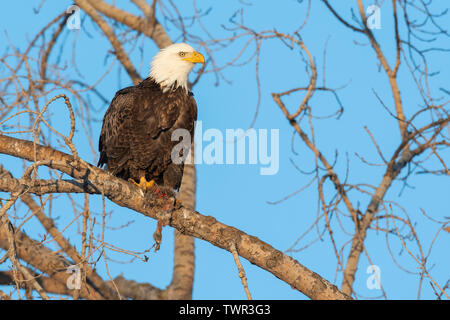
185	220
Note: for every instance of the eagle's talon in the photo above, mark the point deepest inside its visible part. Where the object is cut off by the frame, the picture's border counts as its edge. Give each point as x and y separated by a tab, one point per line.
143	183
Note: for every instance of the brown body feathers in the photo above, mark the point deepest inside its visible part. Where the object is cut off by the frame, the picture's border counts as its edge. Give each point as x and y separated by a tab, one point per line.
135	140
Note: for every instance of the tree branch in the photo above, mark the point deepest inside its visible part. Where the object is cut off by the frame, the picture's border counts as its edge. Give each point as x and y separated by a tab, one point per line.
118	49
45	260
184	259
151	29
10	184
186	221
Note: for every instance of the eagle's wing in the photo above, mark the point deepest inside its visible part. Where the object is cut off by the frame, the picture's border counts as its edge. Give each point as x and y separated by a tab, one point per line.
132	125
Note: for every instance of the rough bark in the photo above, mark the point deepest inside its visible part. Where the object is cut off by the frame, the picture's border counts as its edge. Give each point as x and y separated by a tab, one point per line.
189	222
184	259
45	260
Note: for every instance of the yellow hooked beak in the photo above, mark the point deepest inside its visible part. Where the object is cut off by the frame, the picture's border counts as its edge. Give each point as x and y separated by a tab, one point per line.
195	57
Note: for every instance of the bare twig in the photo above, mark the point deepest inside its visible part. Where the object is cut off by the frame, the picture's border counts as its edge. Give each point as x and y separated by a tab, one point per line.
240	270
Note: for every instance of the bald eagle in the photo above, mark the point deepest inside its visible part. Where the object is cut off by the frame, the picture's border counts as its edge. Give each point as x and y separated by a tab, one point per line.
135	142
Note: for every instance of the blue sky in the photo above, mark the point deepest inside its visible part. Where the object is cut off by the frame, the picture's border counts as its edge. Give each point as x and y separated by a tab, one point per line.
238	195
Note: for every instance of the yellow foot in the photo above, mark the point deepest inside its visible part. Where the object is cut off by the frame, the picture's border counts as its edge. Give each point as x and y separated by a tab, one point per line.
143	183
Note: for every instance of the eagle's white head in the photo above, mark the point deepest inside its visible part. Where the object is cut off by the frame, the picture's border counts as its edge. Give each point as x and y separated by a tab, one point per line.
173	64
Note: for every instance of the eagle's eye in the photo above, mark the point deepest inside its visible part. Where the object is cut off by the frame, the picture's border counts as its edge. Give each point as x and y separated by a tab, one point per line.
181	54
